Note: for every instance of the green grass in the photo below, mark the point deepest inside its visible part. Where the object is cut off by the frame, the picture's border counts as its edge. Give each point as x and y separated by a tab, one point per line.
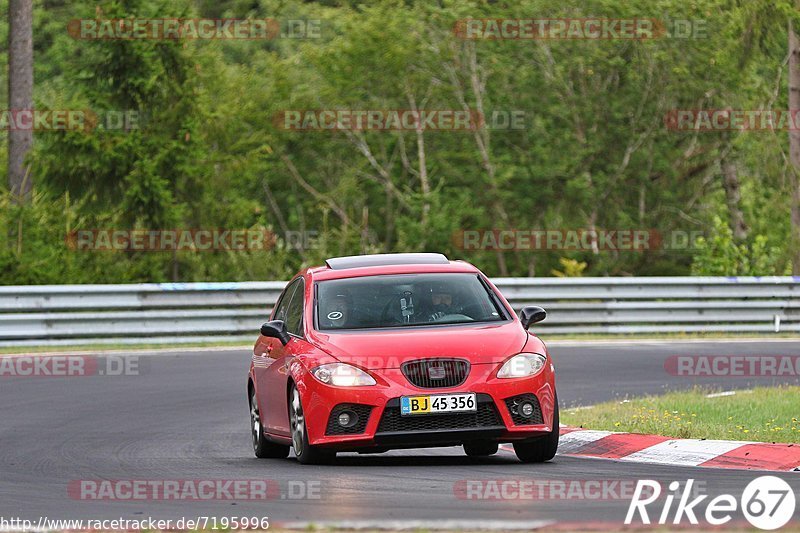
766	414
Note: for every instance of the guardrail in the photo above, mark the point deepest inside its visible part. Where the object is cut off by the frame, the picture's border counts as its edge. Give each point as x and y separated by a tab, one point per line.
190	312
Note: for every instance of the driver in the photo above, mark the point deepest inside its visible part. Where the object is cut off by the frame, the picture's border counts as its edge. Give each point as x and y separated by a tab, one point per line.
441	302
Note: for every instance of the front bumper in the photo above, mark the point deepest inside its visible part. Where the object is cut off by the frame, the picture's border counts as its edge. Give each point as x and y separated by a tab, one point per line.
385	428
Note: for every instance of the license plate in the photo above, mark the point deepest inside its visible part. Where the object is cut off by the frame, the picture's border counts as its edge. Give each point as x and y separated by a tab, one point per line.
440	403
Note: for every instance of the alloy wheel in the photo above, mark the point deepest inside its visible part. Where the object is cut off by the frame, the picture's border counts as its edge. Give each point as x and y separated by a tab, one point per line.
298	423
255	420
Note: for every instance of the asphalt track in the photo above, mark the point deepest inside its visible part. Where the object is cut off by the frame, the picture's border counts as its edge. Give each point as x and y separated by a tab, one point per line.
185	417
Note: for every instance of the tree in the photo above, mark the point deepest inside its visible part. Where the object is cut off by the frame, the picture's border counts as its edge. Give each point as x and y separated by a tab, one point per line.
20	95
733	197
794	142
592	149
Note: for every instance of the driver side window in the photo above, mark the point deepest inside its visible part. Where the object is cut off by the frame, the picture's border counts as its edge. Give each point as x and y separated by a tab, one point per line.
283	302
294	311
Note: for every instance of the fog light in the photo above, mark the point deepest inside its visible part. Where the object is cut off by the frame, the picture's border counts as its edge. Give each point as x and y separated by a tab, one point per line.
526	409
344	419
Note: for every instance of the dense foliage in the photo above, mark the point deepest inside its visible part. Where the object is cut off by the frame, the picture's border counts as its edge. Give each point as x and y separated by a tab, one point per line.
594	151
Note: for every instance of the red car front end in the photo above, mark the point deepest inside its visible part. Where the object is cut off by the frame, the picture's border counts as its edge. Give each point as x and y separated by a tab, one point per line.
473	377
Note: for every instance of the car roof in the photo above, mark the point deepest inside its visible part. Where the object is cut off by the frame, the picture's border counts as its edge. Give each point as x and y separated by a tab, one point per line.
378	264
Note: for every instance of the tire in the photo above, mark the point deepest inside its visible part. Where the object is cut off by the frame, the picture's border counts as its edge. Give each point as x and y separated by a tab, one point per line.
540	449
263	448
480	448
305	452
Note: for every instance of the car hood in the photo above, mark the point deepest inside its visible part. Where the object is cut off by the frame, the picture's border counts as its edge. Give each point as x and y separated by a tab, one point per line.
377	349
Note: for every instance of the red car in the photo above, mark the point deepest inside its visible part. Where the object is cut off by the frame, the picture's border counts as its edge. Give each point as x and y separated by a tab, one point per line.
377	352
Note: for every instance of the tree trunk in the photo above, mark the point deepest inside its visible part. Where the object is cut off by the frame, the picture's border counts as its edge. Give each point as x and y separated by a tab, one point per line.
794	145
733	196
20	95
424	182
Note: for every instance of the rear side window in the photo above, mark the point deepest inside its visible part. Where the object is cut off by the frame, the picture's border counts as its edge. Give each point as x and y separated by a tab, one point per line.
294	311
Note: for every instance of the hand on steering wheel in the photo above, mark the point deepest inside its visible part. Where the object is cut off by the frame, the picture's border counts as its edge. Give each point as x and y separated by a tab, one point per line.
436	316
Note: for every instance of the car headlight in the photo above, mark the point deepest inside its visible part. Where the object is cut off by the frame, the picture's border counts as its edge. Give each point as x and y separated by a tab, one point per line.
522	365
342	375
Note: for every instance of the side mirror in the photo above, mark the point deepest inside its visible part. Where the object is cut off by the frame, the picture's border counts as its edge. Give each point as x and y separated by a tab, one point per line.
531	315
277	330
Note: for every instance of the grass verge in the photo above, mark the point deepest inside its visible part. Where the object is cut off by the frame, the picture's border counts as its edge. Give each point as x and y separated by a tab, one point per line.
764	414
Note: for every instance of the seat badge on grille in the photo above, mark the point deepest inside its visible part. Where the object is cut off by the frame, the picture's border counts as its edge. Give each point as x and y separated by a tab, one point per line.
436	372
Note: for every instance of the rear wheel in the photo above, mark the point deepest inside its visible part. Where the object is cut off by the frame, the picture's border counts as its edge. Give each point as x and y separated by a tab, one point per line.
480	448
261	446
305	452
540	449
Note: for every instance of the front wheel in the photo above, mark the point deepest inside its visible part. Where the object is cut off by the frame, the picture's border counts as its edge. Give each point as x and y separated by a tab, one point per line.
261	446
540	449
305	452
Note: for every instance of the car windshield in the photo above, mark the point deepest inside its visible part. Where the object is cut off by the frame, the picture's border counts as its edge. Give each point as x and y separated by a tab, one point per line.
390	301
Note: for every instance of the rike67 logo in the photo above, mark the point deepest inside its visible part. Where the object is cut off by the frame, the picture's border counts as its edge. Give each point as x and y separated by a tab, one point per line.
768	503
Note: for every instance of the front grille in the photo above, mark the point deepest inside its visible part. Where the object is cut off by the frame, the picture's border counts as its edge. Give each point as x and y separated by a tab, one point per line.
519	419
485	417
436	373
362	417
